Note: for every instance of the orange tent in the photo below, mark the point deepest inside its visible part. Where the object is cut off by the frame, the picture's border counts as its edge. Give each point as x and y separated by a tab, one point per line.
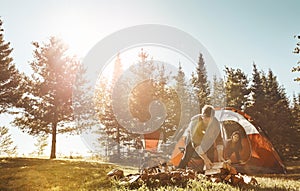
258	154
151	140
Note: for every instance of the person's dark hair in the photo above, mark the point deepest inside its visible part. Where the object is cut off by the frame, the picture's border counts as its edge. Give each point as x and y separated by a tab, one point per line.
239	143
236	133
208	111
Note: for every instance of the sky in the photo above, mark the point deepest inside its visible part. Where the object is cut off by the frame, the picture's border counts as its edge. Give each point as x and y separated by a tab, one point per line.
235	33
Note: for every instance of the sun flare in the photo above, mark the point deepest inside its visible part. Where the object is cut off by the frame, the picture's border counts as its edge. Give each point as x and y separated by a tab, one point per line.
79	37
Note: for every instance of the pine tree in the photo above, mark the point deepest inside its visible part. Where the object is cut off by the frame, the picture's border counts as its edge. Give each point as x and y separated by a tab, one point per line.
296	111
144	92
169	96
270	109
6	143
117	135
218	94
236	88
182	90
106	118
180	81
117	132
201	83
297	51
258	95
47	105
279	114
10	77
295	132
154	87
186	103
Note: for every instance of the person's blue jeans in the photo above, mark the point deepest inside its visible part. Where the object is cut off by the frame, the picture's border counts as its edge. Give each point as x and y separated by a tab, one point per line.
189	152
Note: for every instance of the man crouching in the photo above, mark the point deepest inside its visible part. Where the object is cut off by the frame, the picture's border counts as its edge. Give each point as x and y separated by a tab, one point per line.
203	136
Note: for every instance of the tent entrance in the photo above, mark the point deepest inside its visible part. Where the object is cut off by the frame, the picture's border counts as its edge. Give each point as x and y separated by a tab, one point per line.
228	127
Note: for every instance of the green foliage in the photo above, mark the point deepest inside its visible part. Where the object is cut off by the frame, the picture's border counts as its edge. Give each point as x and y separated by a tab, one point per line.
155	88
200	83
270	109
296	111
41	144
10	78
112	132
297	51
218	98
47	105
236	88
152	88
186	104
6	143
295	130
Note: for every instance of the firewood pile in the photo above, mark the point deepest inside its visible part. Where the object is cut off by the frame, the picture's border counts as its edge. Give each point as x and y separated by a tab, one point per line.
167	175
224	172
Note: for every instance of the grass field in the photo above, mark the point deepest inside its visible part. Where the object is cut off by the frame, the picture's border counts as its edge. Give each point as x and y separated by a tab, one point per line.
44	174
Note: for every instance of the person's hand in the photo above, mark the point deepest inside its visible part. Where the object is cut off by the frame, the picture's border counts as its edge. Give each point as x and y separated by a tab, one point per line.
242	162
208	164
221	159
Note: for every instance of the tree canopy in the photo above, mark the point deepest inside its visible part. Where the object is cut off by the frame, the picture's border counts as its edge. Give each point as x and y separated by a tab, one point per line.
201	83
10	78
47	104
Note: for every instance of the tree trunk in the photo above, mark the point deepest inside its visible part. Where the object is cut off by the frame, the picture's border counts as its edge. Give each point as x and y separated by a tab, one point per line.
118	141
53	145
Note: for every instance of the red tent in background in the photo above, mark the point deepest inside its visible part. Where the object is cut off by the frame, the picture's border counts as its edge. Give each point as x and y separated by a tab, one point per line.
151	140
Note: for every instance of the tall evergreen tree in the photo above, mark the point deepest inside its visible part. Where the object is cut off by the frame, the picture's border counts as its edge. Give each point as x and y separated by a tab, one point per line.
10	77
258	95
182	90
107	131
270	109
47	105
201	83
218	98
295	133
296	111
278	112
186	109
118	70
116	135
236	88
114	130
171	100
154	88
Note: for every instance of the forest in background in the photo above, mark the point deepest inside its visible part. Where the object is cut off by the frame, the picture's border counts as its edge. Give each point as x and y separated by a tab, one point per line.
43	103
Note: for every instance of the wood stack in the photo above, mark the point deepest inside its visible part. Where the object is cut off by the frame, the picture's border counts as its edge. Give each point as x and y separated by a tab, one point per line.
224	172
164	175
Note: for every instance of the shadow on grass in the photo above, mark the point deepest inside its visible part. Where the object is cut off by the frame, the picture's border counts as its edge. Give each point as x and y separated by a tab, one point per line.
46	174
60	174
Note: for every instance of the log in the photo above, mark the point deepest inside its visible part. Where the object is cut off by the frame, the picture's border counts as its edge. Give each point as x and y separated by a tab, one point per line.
219	165
215	171
116	173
